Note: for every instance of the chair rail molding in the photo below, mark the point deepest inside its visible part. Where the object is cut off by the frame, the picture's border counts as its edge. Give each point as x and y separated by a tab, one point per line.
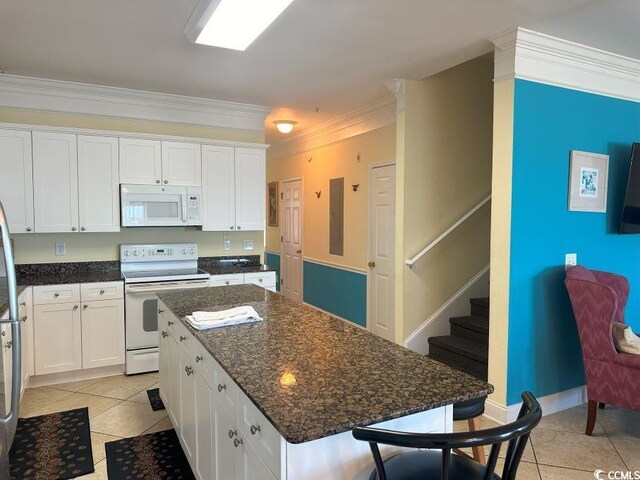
538	57
362	120
80	98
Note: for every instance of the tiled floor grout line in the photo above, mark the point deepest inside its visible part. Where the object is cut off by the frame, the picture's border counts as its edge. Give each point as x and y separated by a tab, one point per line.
618	452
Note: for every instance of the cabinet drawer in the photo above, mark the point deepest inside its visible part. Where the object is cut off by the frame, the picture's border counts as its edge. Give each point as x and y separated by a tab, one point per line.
263	279
101	291
222	280
48	294
184	338
225	390
202	362
260	433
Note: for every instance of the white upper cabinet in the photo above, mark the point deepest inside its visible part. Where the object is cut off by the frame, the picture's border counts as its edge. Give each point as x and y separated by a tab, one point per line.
98	192
55	182
181	164
140	161
219	202
250	188
16	180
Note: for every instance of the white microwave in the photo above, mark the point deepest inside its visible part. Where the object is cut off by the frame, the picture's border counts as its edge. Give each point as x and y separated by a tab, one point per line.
160	206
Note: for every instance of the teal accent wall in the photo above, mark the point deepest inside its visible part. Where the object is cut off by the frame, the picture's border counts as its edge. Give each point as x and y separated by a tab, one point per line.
273	260
337	291
544	353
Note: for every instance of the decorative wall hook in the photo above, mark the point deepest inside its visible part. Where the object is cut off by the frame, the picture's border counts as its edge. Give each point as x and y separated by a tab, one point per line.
355	187
319	193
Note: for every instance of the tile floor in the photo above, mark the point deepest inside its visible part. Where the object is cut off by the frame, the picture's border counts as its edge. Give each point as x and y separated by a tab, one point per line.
118	408
558	450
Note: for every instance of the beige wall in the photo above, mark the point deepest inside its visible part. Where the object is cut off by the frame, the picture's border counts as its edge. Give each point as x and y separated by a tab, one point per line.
446	170
39	248
336	160
501	237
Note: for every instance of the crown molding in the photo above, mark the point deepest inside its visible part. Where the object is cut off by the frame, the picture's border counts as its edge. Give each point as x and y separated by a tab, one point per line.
80	98
535	56
371	117
397	87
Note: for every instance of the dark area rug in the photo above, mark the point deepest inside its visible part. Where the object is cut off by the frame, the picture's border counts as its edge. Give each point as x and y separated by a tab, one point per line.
52	447
148	457
154	399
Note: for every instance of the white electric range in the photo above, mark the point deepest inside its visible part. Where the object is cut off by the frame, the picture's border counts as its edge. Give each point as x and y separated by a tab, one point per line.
148	269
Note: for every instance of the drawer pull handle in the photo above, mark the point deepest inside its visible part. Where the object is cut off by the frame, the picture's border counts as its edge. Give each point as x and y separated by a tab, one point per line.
199	358
85	306
28	229
101	292
237	442
227	282
9	344
23	304
164	334
160	310
188	370
56	295
254	429
75	307
232	433
221	387
23	319
182	339
170	323
260	280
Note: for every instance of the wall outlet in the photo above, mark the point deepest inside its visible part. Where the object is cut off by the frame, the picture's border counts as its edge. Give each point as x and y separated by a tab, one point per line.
247	244
61	249
570	260
226	244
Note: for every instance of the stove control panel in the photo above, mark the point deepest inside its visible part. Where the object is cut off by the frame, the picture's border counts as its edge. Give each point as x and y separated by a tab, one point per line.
158	252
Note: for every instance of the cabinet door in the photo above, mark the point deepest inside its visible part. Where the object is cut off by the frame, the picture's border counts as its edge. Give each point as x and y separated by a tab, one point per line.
181	164
7	363
218	191
204	430
16	181
250	188
251	465
165	370
187	405
226	458
55	182
98	184
174	369
58	338
140	161
25	312
103	333
222	280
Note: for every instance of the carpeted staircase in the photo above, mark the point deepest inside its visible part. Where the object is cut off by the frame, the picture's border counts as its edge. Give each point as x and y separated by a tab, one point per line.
467	348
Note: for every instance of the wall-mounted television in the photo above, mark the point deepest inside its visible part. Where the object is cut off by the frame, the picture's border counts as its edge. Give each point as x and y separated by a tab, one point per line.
631	208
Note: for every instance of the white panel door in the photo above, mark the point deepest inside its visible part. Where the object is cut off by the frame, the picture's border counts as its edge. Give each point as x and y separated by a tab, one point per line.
103	333
58	338
250	188
16	181
204	429
98	184
218	191
291	233
381	278
181	164
140	161
55	182
186	391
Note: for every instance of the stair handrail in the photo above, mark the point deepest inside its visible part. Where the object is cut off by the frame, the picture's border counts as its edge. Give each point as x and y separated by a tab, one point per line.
412	261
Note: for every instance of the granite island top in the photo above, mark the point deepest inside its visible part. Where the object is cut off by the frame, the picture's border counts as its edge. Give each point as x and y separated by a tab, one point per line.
313	375
4	297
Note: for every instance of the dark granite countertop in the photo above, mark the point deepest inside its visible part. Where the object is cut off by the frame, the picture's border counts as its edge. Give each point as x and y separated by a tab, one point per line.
230	265
344	375
4	300
71	272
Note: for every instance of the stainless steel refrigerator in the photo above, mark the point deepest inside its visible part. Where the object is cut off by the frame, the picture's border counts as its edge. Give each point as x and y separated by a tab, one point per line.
10	375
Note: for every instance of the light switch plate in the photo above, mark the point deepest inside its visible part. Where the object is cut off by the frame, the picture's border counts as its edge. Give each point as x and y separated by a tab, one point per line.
570	260
247	244
61	249
226	244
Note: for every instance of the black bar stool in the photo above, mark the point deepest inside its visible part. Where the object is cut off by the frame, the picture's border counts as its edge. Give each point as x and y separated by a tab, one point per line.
471	410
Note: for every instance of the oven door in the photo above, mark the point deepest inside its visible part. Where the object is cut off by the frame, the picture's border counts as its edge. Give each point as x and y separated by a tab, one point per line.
153	206
141	306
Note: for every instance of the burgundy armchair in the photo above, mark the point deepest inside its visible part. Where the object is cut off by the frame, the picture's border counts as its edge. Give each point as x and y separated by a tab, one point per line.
598	300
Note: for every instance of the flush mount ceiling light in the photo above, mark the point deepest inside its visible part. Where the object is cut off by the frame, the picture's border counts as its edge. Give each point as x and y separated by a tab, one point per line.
233	24
285	126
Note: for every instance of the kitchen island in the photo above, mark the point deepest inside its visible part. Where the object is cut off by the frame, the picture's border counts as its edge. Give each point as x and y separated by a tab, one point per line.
277	399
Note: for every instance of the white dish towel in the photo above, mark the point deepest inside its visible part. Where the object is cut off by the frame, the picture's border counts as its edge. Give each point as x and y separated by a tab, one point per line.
223	318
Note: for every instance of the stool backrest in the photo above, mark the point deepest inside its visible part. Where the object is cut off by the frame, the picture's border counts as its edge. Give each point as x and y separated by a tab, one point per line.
515	433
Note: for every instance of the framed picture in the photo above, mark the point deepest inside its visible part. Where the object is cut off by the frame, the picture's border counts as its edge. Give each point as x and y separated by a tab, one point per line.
588	181
273	204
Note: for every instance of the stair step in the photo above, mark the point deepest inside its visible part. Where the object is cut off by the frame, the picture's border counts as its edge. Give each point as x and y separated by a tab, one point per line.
480	307
471	328
462	347
460	354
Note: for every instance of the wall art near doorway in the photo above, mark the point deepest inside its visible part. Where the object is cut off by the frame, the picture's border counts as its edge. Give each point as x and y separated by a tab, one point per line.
273	204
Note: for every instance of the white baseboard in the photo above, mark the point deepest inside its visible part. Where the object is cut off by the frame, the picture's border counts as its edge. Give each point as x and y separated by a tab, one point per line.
54	378
553	403
458	305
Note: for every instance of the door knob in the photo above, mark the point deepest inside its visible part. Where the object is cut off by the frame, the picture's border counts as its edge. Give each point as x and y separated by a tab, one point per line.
372	264
298	251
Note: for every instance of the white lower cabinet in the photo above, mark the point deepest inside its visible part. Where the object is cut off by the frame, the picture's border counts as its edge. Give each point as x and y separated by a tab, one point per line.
205	445
25	313
265	280
187	393
69	334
